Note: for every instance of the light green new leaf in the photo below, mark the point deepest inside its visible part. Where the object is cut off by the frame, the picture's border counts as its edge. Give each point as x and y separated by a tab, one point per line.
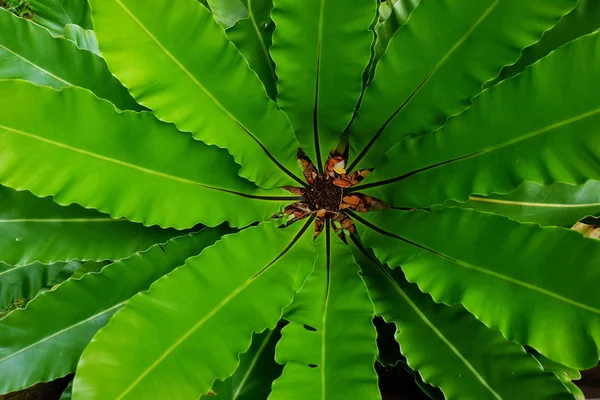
252	36
25	281
321	48
84	39
121	163
225	102
60	323
257	370
556	205
545	299
438	61
201	316
451	349
227	12
39	230
29	52
329	347
584	19
514	132
55	14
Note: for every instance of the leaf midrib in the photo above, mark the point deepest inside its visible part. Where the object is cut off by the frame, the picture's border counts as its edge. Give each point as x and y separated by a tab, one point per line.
261	41
438	333
60	332
423	83
133	166
209	315
252	364
34	65
481	270
54	220
531	204
489	149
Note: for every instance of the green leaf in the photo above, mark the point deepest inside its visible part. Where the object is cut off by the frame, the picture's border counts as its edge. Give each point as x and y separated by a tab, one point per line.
565	374
155	63
55	14
45	340
127	164
84	39
201	317
29	52
39	230
450	348
543	141
556	205
257	370
329	347
25	281
468	257
252	35
584	19
321	49
392	16
227	12
460	44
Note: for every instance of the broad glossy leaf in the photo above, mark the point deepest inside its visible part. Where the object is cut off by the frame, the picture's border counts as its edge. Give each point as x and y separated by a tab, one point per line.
321	48
60	323
529	135
257	370
468	257
55	14
559	204
209	91
584	19
39	230
25	281
438	61
252	36
83	38
329	347
126	164
201	316
451	349
29	52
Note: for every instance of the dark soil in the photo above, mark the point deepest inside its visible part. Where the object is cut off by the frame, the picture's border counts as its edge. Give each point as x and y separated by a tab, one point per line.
324	194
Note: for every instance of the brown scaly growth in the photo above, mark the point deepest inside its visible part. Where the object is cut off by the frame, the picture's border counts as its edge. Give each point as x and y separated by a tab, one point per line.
325	197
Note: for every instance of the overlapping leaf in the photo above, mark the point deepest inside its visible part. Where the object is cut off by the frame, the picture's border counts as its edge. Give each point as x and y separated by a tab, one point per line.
201	315
225	103
25	281
432	69
529	135
502	272
252	35
451	349
257	370
55	14
329	347
34	229
83	38
126	164
29	52
556	205
321	48
60	323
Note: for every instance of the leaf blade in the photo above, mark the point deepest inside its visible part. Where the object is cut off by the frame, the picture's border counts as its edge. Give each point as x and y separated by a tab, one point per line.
222	302
61	322
155	64
131	156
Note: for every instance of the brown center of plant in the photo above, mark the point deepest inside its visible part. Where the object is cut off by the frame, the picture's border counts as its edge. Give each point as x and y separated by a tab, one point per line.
327	195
